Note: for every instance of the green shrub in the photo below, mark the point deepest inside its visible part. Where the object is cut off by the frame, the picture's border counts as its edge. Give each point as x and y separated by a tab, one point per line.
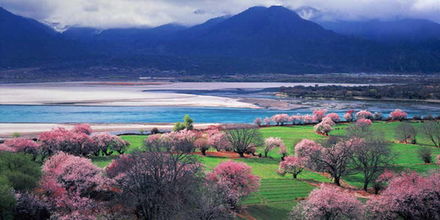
7	199
19	170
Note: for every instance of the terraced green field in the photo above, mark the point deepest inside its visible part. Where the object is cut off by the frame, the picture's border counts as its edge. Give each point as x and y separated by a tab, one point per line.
278	194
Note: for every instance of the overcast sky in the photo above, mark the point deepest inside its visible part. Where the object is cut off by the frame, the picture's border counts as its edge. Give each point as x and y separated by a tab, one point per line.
125	13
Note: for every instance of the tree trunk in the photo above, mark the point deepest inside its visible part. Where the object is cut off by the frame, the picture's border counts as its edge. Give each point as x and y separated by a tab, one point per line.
203	152
337	181
366	186
295	175
241	154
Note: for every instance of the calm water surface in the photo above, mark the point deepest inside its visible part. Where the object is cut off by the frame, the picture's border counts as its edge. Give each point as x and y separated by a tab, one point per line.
108	114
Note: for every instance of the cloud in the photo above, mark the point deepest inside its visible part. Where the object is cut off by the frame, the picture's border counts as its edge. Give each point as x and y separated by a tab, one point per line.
128	13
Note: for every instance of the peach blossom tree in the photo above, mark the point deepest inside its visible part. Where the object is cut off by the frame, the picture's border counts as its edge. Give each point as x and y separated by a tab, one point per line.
408	196
328	202
271	143
364	114
319	114
23	145
291	165
334	116
398	115
280	119
236	179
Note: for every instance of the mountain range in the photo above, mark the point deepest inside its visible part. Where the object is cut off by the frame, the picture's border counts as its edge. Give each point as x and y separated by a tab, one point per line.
257	40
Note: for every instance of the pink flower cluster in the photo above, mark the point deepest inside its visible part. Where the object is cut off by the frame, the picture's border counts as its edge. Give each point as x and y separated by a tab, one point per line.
363	122
398	115
22	145
408	196
61	139
325	126
348	116
235	178
106	144
82	128
271	143
329	202
202	140
69	183
280	119
218	139
4	147
307	149
292	165
364	114
334	117
319	114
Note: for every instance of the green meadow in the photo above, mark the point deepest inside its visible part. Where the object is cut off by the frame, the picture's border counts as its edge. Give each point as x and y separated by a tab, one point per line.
278	194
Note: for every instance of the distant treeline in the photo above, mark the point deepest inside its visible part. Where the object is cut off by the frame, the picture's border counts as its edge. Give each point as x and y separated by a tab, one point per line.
409	91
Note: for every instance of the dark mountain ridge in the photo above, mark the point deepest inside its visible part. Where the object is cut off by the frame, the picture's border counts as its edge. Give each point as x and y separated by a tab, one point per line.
257	40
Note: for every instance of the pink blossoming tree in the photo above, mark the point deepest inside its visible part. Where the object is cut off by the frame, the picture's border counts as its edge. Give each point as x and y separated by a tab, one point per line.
398	115
348	116
236	178
328	202
107	144
71	183
364	114
23	145
258	121
267	121
3	147
82	128
363	122
60	139
283	151
306	150
319	114
291	165
307	119
271	143
201	142
408	196
323	128
334	117
280	119
218	140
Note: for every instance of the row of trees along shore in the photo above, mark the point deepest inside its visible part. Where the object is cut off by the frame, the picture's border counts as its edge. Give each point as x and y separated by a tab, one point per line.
165	180
350	116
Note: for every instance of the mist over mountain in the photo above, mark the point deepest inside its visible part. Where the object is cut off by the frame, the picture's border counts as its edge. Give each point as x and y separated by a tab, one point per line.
257	40
392	30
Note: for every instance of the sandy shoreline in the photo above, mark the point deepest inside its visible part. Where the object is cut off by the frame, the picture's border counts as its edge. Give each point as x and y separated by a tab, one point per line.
108	96
33	129
135	93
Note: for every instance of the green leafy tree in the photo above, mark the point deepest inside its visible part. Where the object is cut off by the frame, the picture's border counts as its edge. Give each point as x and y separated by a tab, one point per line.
19	170
179	126
188	122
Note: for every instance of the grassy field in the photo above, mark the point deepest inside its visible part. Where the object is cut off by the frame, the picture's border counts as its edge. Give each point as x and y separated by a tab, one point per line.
278	194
